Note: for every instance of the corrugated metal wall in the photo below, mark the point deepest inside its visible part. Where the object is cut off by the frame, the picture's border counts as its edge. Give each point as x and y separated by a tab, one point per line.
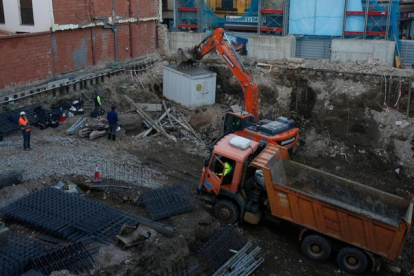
313	48
407	52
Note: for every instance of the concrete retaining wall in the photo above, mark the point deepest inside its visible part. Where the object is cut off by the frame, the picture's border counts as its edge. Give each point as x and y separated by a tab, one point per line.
271	47
185	40
362	50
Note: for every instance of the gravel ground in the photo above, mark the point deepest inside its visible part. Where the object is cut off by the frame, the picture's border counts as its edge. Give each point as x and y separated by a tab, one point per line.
60	156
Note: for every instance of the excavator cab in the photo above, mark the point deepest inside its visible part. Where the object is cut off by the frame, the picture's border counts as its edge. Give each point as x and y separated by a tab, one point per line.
234	122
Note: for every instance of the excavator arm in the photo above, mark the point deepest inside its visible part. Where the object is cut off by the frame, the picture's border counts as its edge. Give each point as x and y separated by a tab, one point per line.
218	41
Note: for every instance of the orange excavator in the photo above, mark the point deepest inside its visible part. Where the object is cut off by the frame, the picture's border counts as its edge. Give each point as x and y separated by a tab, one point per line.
246	124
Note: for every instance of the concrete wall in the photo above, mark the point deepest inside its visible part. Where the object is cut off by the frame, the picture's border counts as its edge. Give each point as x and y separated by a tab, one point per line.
12	17
185	40
271	47
362	50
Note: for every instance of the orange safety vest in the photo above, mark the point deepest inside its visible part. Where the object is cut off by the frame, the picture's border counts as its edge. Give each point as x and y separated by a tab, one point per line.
24	123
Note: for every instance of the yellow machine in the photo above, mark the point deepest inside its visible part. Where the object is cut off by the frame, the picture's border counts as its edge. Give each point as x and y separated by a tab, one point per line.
226	7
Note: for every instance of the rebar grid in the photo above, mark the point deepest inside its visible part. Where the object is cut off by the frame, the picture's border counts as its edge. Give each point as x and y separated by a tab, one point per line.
167	201
75	258
72	217
217	250
17	252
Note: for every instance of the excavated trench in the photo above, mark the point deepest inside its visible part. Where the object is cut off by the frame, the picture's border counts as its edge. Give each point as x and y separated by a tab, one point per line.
344	130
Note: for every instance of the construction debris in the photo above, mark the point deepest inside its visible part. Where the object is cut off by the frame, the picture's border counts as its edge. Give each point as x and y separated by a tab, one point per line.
242	263
133	235
77	125
175	127
144	115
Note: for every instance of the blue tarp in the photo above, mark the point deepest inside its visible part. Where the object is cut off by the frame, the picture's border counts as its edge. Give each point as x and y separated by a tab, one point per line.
316	17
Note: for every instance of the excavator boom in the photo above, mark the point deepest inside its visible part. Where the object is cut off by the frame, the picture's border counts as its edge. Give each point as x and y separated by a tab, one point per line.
218	41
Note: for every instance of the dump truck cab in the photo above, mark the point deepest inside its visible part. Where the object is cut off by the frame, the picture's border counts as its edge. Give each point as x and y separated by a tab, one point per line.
228	179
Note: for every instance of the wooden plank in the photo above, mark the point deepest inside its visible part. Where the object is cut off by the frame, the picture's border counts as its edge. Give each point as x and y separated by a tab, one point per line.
149	119
148	131
149	107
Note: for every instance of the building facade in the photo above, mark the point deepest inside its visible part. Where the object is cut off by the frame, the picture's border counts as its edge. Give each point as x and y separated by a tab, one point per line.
66	35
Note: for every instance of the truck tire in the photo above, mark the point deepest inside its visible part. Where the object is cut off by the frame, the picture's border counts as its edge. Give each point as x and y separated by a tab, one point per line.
226	211
316	247
352	260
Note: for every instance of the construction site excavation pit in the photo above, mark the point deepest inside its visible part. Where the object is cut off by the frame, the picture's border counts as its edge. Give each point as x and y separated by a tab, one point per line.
354	122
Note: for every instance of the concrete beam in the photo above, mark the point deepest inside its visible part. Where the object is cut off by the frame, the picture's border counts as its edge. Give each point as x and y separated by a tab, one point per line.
185	40
344	50
271	47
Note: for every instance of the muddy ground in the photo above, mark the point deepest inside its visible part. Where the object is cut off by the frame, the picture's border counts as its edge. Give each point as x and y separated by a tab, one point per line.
344	129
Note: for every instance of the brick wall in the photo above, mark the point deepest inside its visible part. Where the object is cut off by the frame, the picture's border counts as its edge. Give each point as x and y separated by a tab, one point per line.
25	58
30	57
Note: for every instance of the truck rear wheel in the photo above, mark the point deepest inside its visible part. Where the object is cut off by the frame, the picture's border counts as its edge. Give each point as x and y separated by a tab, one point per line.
352	260
316	247
226	211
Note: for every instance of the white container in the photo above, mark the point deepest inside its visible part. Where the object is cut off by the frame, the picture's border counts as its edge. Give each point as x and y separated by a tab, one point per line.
191	87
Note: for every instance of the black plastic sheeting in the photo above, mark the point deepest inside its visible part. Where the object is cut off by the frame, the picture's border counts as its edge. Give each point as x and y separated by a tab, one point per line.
10	178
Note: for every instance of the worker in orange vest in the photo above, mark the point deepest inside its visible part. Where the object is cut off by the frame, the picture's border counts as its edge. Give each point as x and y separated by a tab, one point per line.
25	128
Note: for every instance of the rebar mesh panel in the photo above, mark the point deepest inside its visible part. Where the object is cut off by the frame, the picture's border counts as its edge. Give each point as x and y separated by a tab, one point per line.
217	250
74	258
167	201
17	252
9	120
69	216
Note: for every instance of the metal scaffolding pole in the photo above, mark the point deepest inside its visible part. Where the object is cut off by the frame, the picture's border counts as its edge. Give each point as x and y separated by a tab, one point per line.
260	17
344	21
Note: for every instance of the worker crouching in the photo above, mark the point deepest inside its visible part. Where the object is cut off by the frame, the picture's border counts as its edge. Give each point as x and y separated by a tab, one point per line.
112	118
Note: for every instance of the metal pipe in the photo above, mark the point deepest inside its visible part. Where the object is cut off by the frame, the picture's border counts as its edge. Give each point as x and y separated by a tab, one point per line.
115	29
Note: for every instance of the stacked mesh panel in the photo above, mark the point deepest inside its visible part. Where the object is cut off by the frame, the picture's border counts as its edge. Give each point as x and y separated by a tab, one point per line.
69	216
75	258
9	120
167	201
17	252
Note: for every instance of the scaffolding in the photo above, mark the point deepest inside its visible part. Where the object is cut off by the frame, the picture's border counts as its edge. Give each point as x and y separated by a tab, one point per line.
366	19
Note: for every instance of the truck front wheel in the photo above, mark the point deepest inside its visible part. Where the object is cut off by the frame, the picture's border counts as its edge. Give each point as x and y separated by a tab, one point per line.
352	260
316	248
226	211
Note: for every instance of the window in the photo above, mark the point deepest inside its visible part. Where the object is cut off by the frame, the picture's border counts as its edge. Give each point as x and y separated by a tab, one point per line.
26	12
1	12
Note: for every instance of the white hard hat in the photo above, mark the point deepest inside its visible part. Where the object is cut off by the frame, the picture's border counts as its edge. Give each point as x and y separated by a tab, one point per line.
22	113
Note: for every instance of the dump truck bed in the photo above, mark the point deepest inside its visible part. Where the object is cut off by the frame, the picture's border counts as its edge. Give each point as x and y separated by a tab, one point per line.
343	209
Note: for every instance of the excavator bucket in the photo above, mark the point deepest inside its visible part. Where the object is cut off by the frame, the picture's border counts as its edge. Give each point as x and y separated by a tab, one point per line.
185	56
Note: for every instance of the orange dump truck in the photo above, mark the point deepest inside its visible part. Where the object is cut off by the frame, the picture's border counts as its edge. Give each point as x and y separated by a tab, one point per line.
246	180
